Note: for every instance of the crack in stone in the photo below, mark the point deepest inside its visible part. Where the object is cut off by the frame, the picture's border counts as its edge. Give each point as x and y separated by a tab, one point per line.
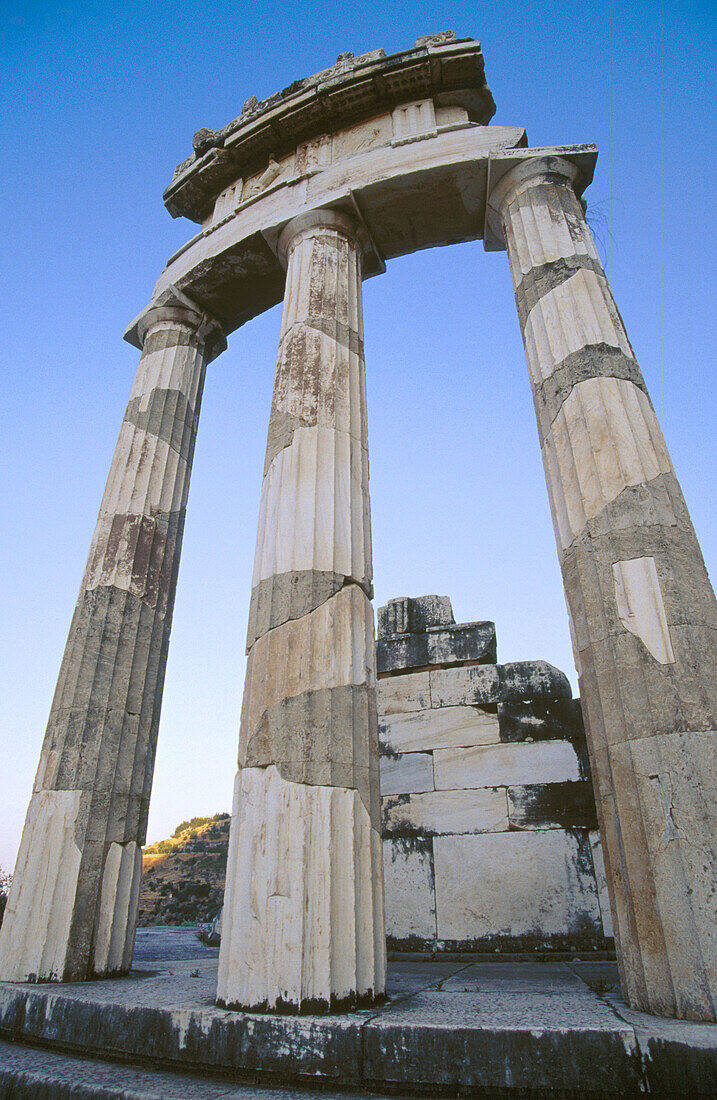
288	597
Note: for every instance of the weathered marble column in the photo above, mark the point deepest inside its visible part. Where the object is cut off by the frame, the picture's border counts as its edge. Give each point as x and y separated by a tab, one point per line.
303	924
643	613
73	905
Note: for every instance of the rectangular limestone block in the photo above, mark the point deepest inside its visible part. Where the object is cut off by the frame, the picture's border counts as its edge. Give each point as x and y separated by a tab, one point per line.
410	892
552	806
440	645
397	694
438	812
534	885
480	685
541	720
506	765
407	615
443	728
406	773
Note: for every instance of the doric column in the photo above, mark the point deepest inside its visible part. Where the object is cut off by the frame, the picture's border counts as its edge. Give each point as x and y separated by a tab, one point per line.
303	925
73	905
643	614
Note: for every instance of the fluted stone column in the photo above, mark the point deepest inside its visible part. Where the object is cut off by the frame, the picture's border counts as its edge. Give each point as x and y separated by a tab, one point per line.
643	614
73	904
303	924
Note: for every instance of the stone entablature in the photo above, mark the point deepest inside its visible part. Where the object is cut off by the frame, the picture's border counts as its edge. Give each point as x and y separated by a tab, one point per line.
440	69
487	808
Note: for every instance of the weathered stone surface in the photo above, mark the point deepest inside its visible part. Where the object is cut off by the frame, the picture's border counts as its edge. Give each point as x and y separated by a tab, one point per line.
406	773
304	887
577	313
503	1044
468	643
401	694
675	793
416	632
641	607
442	728
486	684
285	596
505	765
168	415
38	916
73	904
438	812
519	766
566	805
114	939
545	1026
314	511
354	89
331	647
413	615
542	278
475	899
604	439
554	719
319	379
301	876
592	361
321	737
601	881
410	892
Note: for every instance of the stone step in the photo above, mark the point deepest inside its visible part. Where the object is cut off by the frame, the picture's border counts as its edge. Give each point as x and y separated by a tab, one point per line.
30	1074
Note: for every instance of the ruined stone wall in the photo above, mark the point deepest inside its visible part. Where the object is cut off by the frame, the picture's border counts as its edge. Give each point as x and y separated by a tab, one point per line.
488	814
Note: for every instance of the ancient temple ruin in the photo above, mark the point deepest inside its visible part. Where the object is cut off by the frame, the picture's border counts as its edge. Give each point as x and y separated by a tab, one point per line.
300	198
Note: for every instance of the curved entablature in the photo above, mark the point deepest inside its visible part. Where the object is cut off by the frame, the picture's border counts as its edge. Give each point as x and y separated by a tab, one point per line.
399	143
417	191
441	68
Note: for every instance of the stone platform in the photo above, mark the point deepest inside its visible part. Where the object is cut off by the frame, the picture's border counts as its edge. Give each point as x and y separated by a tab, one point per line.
452	1026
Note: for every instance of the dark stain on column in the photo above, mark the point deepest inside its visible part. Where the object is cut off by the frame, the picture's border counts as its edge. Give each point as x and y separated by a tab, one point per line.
591	361
285	596
319	738
168	415
546	277
142	548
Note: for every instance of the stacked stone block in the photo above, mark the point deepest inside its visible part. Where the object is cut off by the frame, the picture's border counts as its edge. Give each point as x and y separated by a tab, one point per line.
488	815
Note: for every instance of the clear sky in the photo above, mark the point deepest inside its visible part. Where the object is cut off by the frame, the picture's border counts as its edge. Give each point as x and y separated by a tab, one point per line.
99	102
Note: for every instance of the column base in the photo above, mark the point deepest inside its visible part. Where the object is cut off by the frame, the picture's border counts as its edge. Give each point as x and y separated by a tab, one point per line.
302	930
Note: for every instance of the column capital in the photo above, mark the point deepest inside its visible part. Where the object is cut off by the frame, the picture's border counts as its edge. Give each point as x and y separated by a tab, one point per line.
174	306
306	224
504	184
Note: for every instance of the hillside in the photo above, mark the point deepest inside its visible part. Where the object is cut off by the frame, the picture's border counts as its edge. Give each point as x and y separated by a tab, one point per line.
183	877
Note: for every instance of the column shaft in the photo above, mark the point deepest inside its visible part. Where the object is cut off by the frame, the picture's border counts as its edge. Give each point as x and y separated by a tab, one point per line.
72	909
643	613
302	928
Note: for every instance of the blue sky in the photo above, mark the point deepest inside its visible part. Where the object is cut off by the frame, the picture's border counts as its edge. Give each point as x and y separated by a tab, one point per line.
98	105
